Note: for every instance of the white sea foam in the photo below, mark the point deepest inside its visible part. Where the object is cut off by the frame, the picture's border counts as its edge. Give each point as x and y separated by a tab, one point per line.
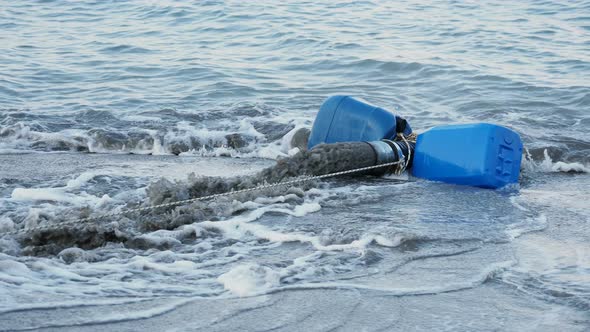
550	166
177	266
282	148
63	194
526	226
6	224
21	138
249	279
241	226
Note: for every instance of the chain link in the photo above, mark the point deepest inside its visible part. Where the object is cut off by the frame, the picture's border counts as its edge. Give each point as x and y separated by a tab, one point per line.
201	198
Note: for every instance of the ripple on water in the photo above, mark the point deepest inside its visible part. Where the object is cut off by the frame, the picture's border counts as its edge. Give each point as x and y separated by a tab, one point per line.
135	82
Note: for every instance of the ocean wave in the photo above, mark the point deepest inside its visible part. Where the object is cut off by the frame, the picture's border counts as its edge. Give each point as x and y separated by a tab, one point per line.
261	139
529	164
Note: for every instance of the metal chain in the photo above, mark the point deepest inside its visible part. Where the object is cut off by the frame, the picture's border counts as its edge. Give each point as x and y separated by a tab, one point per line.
201	198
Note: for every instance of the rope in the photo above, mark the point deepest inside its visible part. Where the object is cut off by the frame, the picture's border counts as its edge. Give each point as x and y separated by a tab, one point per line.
407	163
201	198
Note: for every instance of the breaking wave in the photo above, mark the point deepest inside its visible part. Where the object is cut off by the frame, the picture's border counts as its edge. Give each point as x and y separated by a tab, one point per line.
155	133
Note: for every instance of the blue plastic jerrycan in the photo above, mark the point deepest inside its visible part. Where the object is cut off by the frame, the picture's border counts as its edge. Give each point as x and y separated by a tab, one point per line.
481	155
346	119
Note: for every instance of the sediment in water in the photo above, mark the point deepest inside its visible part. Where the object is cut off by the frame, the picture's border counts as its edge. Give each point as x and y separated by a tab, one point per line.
130	229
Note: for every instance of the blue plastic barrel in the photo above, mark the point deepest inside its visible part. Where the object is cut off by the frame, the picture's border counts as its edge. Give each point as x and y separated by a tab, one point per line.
481	155
346	119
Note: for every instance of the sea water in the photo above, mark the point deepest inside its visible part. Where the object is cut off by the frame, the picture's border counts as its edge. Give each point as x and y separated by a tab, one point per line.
112	104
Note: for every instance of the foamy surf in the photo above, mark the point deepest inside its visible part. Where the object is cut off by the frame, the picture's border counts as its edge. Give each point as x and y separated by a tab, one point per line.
220	89
548	165
372	235
256	137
